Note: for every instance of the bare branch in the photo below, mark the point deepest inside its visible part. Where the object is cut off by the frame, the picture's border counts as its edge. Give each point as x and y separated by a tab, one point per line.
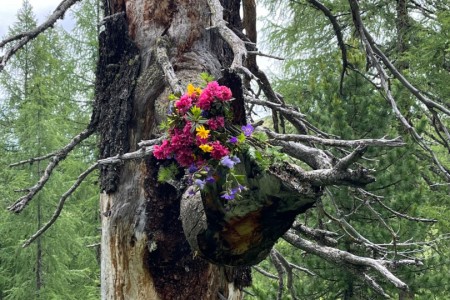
265	273
120	158
291	111
20	204
265	55
25	37
397	142
58	210
338	32
321	236
32	160
346	161
151	142
288	268
236	44
340	257
384	83
279	267
166	66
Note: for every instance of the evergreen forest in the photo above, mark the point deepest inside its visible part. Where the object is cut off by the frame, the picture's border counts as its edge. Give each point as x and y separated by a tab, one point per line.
320	67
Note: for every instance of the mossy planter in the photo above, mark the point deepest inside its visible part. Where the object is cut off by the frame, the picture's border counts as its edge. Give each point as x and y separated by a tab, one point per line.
242	231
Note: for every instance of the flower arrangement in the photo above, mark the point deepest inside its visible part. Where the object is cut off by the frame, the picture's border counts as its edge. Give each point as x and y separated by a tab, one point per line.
199	141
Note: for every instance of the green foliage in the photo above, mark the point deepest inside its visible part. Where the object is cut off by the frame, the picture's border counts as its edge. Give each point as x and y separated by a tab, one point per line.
47	90
168	173
406	180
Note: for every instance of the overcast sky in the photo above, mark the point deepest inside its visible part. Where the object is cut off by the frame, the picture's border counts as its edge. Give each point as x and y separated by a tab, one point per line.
9	9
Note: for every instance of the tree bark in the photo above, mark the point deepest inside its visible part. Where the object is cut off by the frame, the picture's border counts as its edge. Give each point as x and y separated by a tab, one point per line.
144	252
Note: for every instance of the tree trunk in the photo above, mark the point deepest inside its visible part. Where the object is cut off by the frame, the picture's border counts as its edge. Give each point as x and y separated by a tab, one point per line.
144	252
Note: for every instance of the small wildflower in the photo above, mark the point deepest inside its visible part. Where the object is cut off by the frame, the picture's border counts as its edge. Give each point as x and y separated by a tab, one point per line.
210	179
200	183
247	129
233	140
192	169
192	90
227	162
228	196
202	132
206	148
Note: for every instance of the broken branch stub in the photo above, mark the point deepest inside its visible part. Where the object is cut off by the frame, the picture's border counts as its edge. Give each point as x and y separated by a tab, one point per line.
242	231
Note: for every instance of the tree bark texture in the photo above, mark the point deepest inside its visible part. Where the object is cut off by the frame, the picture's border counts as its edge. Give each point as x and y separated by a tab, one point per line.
144	252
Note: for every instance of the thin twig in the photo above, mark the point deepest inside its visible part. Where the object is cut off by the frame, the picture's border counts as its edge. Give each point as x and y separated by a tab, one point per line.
20	204
58	210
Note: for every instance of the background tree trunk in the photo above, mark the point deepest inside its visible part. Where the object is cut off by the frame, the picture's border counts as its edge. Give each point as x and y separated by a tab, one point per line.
144	252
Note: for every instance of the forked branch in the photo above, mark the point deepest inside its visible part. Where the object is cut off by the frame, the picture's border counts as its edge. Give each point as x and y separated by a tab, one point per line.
60	155
24	37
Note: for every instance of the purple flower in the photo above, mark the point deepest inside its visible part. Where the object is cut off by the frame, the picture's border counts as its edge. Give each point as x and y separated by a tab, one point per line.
191	192
233	140
236	159
247	129
227	162
200	183
227	196
192	169
210	179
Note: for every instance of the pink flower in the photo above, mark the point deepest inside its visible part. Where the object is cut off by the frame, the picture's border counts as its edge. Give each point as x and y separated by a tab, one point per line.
163	151
224	94
216	123
219	150
183	104
205	100
184	157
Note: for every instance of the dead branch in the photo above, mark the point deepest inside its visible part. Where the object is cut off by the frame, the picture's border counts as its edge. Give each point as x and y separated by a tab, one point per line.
166	66
236	44
265	55
289	274
322	236
338	32
265	273
384	83
25	37
60	206
397	142
32	160
60	155
280	270
343	258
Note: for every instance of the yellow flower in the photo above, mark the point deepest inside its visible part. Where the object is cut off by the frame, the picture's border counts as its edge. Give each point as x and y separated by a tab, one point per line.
191	89
202	132
206	147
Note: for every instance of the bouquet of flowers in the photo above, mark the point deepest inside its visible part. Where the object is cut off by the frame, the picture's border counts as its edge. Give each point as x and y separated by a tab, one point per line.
199	141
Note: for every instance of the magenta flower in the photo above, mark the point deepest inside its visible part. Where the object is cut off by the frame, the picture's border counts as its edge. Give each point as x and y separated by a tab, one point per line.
183	104
219	150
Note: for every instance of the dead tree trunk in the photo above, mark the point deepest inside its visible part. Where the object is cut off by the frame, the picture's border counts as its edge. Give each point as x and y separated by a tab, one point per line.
144	252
